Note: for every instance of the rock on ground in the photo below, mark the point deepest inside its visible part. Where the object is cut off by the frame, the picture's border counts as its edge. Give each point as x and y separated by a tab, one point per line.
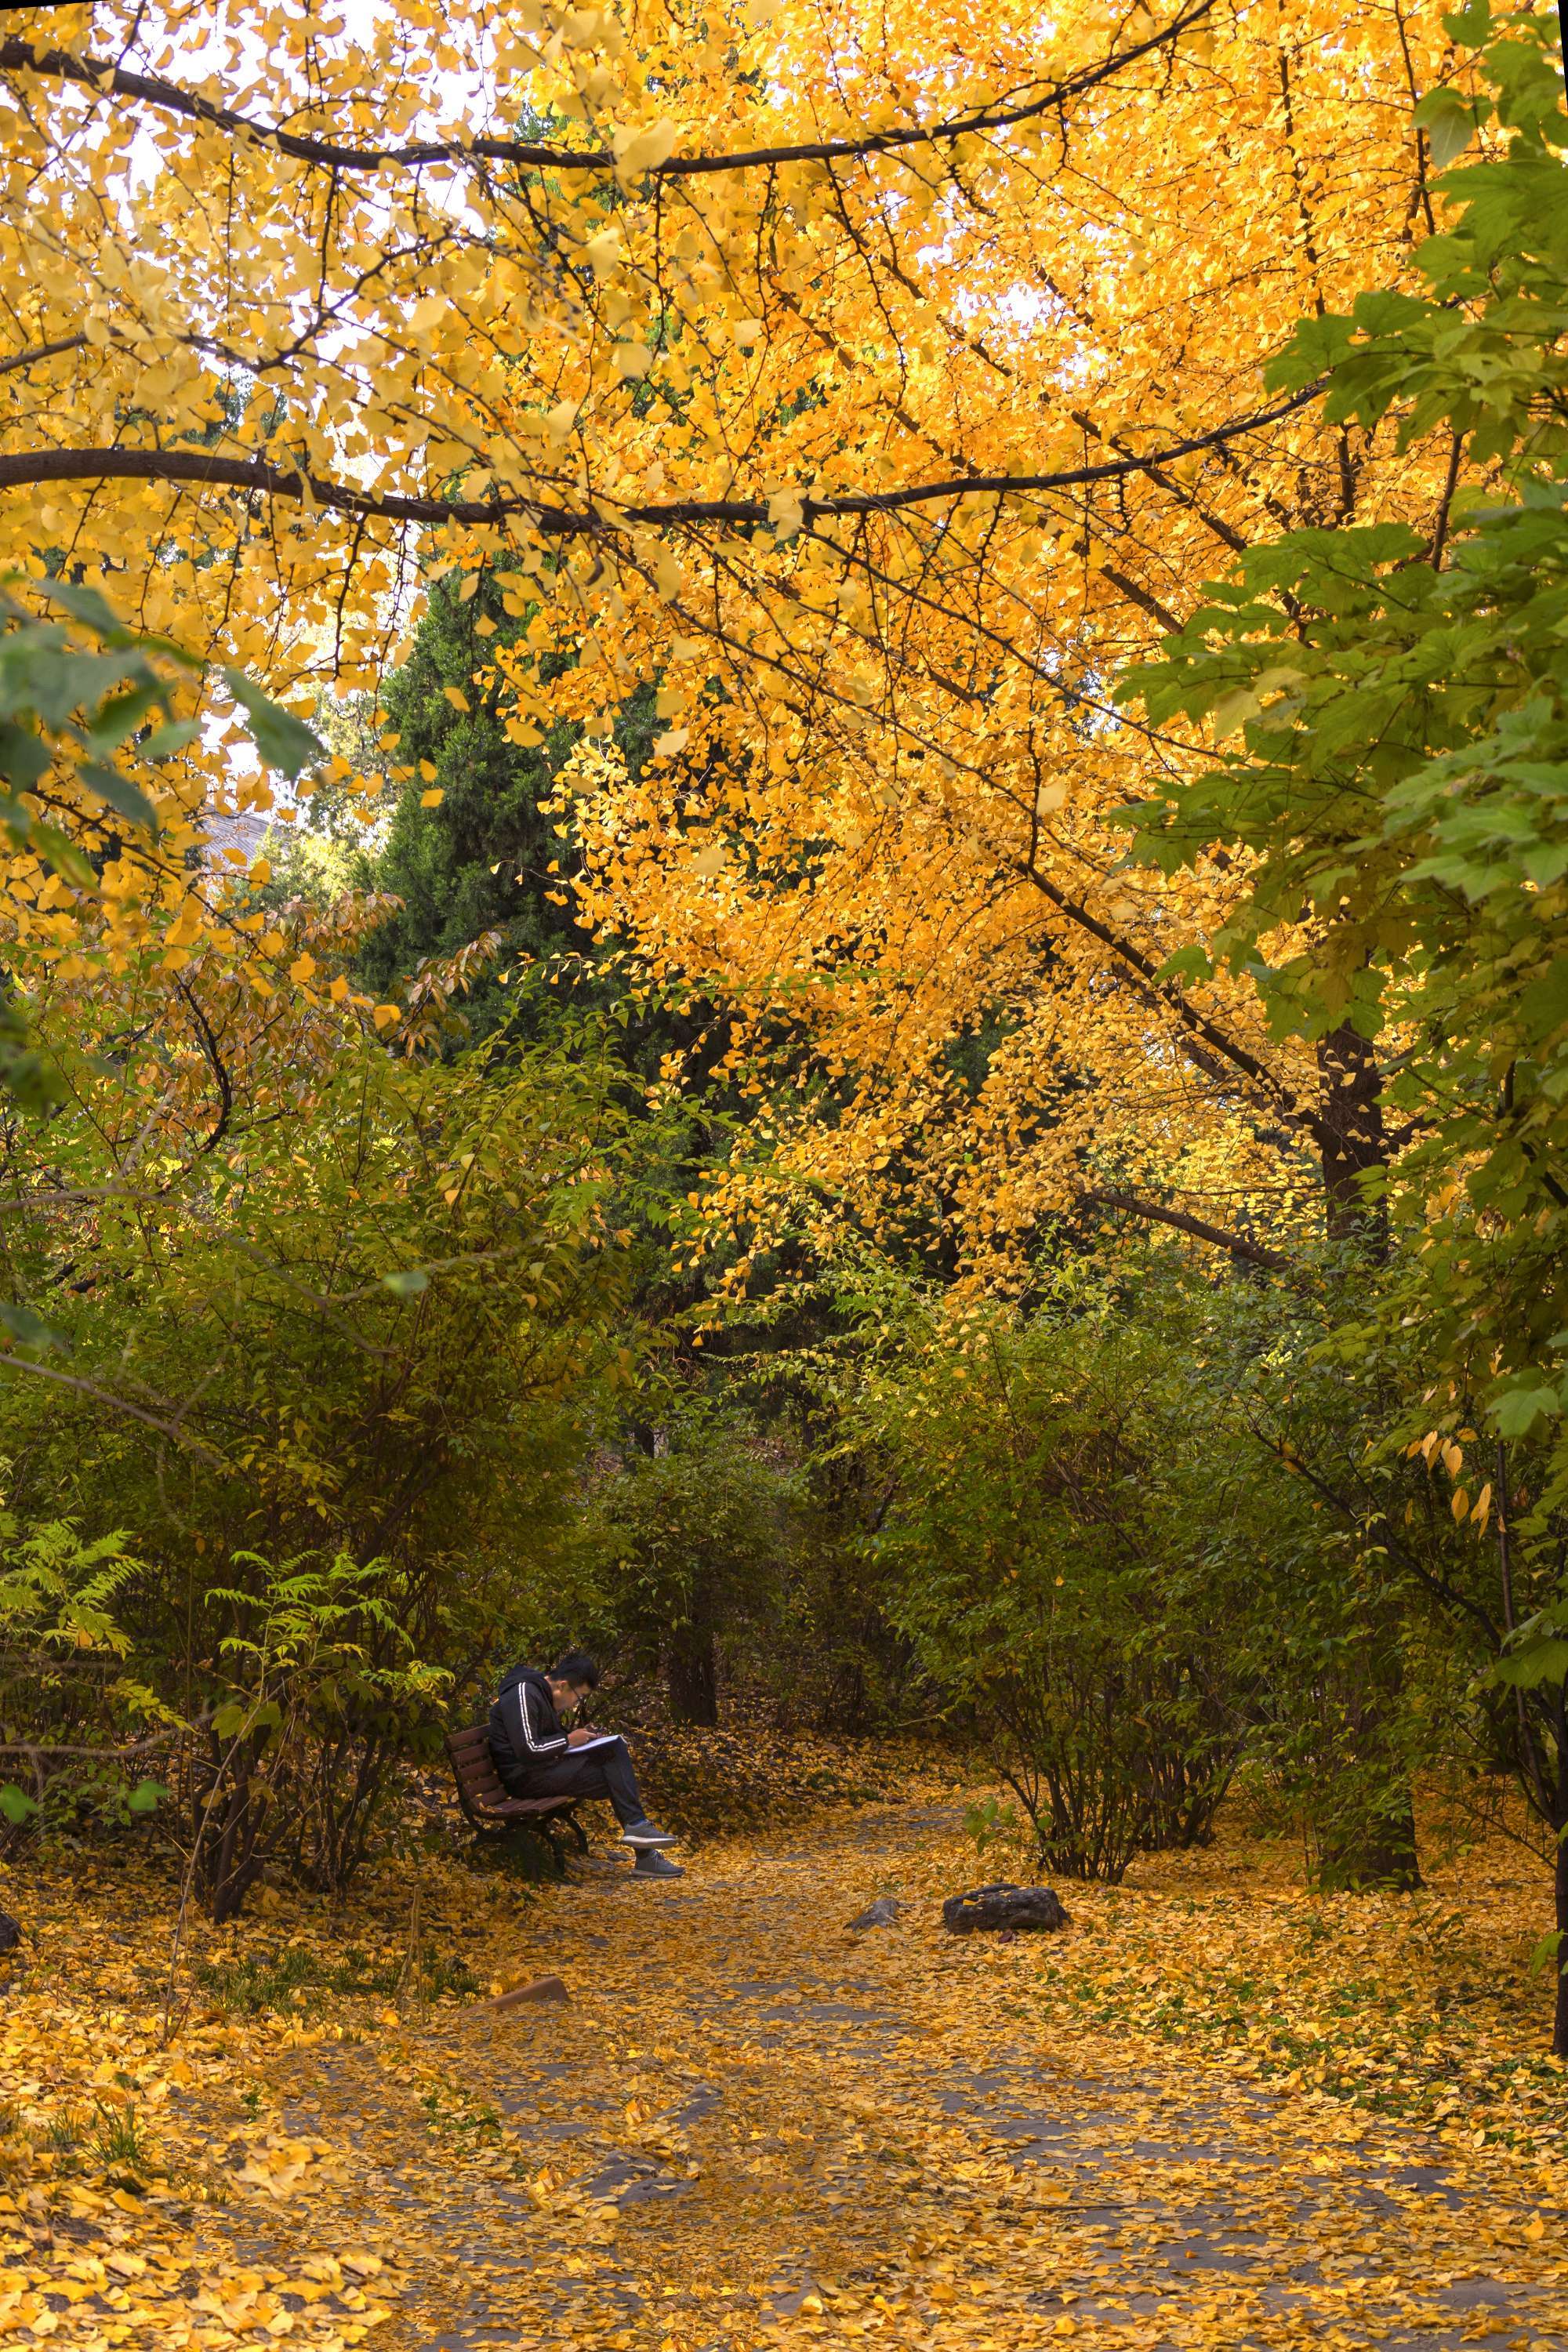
1002	1906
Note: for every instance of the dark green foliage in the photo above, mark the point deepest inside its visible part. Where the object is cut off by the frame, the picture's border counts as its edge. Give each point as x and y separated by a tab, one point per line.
488	857
378	1352
479	861
1156	1532
703	1516
1065	1565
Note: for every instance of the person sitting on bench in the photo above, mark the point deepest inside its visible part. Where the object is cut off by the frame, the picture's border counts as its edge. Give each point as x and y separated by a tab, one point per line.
536	1756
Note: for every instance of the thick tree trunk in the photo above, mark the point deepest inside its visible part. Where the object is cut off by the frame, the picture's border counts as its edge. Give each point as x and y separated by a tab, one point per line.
1355	1142
692	1675
1383	1854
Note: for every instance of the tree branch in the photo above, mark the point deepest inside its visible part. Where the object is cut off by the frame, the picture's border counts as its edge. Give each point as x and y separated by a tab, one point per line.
1202	1039
43	351
1239	1245
10	1362
104	77
218	1066
1140	597
1378	1517
18	467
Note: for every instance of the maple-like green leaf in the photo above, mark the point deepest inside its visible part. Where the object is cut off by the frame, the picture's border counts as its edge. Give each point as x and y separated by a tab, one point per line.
284	742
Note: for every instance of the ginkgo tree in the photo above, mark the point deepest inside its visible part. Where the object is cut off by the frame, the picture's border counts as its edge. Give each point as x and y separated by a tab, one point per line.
886	815
872	387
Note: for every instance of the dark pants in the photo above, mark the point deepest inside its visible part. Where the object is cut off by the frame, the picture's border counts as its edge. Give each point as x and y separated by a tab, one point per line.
602	1773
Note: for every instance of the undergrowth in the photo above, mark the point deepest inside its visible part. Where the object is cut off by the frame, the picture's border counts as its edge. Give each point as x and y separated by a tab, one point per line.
284	1979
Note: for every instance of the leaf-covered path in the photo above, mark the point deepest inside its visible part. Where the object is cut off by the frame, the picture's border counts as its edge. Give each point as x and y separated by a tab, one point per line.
749	2126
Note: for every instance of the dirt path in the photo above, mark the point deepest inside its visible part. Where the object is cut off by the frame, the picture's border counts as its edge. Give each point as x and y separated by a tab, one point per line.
750	2126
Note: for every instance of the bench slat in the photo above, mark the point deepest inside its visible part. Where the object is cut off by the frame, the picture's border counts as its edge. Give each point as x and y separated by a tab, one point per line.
480	1786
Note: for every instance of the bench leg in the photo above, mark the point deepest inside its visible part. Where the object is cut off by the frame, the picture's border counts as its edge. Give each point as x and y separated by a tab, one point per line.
526	1849
574	1823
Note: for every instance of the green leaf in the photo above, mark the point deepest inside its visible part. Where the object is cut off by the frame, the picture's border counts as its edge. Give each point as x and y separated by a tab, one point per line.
408	1283
1546	1952
59	680
1517	1410
283	740
121	794
1532	1664
15	1804
30	1330
164	740
1449	124
23	756
145	1797
86	604
123	713
91	607
1232	709
30	1082
1187	964
1545	1004
59	850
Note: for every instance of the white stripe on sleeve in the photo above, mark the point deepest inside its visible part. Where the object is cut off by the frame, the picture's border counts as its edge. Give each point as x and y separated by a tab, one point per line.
521	1694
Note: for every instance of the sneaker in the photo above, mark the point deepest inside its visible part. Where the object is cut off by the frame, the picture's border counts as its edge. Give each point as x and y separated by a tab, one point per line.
645	1833
651	1863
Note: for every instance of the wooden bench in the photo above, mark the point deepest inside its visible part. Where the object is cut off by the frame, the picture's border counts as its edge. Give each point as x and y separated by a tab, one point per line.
488	1809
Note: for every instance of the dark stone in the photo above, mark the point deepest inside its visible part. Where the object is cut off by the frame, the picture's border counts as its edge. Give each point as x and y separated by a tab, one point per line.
10	1933
1002	1906
880	1914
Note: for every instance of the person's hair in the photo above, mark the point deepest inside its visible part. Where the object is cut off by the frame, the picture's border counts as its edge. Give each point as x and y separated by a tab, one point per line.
577	1667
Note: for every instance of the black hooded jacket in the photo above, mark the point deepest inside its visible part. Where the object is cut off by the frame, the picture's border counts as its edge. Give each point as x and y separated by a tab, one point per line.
524	1726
